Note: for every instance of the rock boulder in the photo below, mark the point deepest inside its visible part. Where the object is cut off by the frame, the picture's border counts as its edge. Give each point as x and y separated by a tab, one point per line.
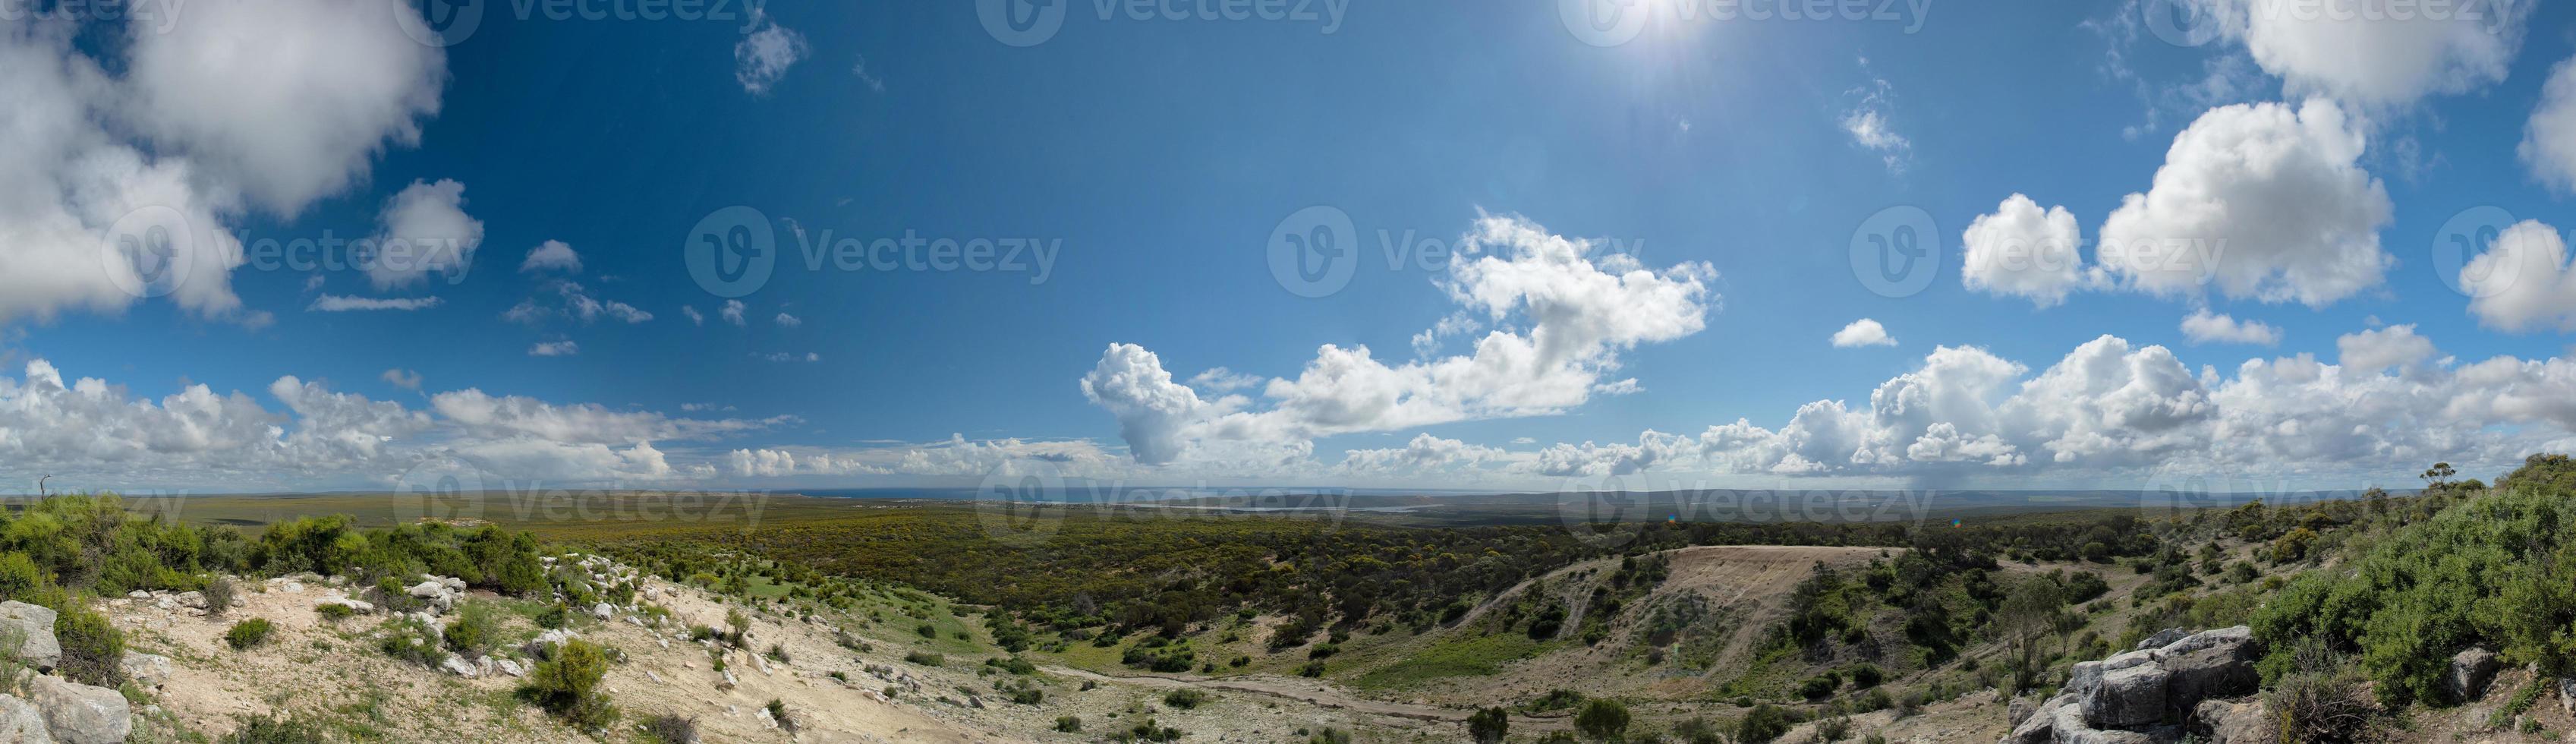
34	627
82	714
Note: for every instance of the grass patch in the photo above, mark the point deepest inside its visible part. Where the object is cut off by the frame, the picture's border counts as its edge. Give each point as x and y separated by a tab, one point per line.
1455	658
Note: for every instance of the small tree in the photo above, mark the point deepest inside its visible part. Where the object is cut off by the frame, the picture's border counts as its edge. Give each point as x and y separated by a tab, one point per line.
2028	615
1602	720
1488	725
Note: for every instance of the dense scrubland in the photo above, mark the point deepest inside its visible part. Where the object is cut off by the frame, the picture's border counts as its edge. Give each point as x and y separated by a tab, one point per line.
1526	631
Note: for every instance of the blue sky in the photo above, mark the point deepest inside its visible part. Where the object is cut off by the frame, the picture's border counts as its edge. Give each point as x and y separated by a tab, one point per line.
1154	160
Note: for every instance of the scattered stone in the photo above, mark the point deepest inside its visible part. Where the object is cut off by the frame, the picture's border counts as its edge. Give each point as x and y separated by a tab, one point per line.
602	610
149	670
82	714
2470	671
457	665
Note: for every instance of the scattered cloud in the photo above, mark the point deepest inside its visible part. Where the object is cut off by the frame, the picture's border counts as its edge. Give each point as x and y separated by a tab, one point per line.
426	231
2022	250
762	57
1560	319
555	348
2522	281
337	303
402	378
2261	201
2204	327
2374	56
1867	123
553	255
1862	332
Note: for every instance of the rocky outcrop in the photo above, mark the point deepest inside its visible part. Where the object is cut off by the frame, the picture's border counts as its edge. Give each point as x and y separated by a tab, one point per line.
148	670
2216	664
81	714
2248	722
2469	674
34	628
22	723
2144	696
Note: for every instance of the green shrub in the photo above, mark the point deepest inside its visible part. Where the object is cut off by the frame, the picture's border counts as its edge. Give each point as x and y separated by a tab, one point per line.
778	712
334	611
19	577
1068	724
473	631
93	649
1185	698
671	729
411	640
2489	569
1602	720
1489	725
1764	723
566	683
552	617
248	633
925	658
220	594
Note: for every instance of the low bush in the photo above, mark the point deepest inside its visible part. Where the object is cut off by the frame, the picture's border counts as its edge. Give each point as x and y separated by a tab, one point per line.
93	649
671	729
249	633
220	594
411	640
473	632
1185	698
335	612
567	684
